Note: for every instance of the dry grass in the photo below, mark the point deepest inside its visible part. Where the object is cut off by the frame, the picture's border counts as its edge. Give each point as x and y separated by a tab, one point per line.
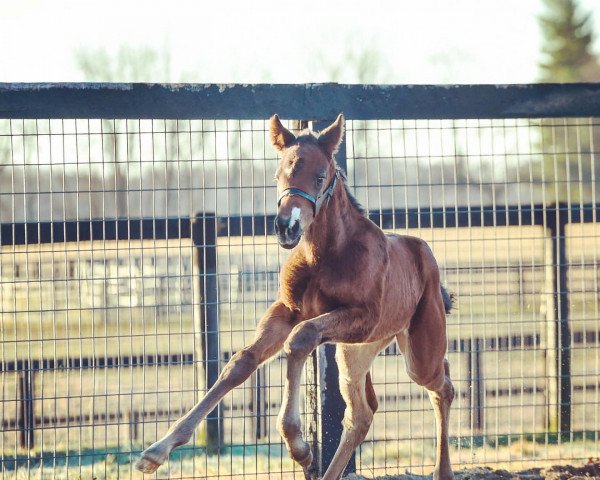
271	462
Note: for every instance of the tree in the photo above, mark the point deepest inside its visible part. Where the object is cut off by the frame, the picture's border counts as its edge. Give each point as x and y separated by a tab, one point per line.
568	147
568	39
359	63
128	65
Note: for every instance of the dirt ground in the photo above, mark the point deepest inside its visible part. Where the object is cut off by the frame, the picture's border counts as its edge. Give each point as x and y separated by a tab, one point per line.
558	472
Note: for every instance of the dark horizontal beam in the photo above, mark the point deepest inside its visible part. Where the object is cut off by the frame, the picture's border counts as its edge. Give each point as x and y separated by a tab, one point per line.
500	343
174	228
160	360
84	230
32	233
301	101
485	216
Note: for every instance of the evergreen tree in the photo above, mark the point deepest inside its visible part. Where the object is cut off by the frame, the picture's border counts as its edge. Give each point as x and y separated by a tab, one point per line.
569	146
568	39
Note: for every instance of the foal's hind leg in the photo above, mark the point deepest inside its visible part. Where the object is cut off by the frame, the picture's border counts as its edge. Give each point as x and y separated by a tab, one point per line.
424	348
356	388
271	332
441	399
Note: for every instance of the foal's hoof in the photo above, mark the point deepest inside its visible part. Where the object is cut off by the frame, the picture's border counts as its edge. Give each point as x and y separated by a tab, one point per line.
147	465
152	458
443	474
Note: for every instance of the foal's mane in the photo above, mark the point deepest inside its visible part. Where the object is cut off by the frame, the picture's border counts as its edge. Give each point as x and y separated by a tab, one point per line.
307	136
353	201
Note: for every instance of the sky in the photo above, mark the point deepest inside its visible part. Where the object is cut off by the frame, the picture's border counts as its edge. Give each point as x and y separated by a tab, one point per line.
267	41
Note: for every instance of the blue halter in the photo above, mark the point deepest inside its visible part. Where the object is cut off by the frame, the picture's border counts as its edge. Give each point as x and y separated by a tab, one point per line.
315	202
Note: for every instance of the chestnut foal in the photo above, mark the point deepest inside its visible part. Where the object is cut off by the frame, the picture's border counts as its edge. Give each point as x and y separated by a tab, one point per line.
345	282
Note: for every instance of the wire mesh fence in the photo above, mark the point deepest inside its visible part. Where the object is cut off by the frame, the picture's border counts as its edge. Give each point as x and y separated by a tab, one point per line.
107	295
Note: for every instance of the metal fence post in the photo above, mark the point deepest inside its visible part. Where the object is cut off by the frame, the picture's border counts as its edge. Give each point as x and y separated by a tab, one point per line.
26	422
473	348
559	330
325	408
134	426
323	392
204	236
258	402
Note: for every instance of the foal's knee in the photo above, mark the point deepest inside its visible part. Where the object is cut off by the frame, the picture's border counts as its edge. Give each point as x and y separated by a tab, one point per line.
359	424
291	431
288	428
303	339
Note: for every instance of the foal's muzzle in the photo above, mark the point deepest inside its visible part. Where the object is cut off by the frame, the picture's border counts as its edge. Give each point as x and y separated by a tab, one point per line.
288	231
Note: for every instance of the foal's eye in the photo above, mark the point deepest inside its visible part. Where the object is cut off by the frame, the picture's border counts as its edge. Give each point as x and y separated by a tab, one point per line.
320	181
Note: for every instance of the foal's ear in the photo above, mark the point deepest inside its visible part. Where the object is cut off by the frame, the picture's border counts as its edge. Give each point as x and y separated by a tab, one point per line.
331	138
281	137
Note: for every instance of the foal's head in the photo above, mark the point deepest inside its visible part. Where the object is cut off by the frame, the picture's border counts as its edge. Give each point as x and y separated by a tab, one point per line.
306	176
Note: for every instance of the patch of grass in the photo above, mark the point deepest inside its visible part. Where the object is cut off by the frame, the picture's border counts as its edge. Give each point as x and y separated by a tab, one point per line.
268	461
549	438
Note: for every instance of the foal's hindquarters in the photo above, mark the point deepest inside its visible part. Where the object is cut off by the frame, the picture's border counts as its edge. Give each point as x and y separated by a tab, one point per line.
427	366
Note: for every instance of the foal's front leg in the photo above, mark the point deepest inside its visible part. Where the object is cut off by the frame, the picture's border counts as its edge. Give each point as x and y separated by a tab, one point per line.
271	332
344	325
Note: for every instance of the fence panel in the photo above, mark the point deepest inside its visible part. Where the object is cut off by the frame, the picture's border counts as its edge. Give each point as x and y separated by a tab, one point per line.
136	257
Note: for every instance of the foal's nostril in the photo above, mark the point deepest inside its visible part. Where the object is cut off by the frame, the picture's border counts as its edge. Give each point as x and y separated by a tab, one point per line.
293	231
281	224
287	228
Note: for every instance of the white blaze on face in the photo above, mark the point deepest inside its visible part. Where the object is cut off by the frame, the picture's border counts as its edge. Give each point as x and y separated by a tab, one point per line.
294	217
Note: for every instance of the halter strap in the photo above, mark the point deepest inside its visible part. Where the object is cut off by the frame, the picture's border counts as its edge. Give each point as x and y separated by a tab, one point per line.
315	202
300	193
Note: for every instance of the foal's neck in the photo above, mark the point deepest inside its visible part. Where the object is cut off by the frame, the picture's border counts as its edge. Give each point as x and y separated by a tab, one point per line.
333	227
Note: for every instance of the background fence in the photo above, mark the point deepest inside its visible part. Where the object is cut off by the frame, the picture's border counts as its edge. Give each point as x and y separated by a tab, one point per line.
136	256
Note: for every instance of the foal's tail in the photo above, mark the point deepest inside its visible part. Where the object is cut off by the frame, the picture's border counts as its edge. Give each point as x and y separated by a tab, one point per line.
448	299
